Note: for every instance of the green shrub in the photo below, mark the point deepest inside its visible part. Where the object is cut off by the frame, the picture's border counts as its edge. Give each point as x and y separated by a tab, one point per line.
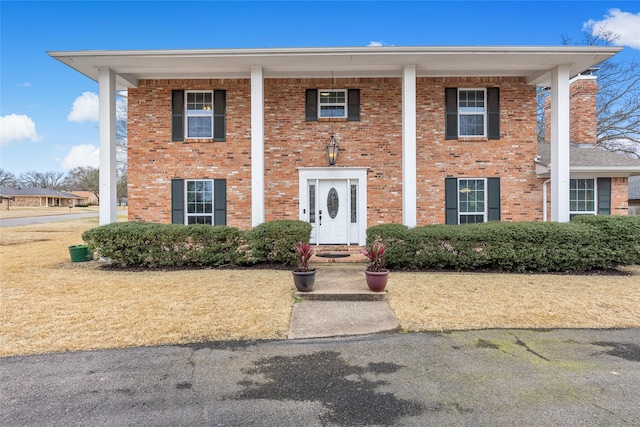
273	242
587	243
167	245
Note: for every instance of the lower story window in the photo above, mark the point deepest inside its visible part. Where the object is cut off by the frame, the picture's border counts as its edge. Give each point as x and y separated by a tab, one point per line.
472	201
582	197
199	201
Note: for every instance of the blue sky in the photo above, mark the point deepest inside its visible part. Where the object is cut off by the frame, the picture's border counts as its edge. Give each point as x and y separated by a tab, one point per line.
42	130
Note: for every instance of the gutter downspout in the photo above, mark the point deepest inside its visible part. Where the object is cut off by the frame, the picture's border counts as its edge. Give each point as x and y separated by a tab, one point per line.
544	200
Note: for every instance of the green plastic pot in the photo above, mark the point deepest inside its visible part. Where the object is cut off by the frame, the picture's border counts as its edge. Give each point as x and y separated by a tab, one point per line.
80	253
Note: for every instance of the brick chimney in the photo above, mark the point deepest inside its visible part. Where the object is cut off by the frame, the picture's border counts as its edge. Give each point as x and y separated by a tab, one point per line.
582	110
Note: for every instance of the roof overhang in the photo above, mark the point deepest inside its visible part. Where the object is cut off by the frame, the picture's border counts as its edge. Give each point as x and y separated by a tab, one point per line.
544	171
531	62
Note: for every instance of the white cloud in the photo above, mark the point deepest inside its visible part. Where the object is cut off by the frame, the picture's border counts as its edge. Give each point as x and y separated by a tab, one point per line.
24	84
81	155
15	127
624	26
372	43
85	108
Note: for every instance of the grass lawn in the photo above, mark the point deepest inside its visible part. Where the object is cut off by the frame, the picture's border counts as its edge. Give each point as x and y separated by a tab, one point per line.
49	304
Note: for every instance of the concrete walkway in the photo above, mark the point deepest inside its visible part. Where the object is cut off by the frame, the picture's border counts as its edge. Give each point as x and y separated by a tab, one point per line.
341	304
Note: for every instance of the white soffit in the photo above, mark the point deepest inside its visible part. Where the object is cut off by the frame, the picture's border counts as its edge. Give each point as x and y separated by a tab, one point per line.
532	62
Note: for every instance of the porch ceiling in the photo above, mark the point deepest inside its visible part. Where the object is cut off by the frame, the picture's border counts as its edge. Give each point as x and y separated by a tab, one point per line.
531	62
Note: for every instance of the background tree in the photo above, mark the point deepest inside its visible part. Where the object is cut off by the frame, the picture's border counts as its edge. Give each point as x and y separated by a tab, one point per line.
83	178
617	102
49	180
7	179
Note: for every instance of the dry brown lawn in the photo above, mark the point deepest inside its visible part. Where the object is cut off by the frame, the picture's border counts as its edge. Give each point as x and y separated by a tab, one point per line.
446	301
49	304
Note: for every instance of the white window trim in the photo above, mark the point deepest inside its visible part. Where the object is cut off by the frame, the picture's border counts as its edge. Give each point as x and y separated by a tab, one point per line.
485	213
204	113
595	198
484	113
344	104
187	215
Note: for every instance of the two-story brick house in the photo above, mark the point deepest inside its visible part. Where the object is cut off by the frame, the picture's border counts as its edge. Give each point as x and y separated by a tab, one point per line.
423	135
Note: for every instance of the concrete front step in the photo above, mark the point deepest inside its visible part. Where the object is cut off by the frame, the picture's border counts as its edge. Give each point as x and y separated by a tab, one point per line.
343	282
339	254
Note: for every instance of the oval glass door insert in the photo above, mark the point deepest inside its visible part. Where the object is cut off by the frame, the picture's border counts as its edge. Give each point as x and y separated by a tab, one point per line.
332	203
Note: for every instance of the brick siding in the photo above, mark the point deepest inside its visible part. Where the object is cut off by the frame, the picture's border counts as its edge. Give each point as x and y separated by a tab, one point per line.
291	142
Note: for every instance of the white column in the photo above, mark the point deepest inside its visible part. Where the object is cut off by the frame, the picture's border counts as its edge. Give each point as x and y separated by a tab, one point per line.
409	146
560	173
257	146
107	113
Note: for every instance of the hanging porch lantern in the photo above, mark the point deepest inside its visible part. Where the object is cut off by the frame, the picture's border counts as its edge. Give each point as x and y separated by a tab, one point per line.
332	150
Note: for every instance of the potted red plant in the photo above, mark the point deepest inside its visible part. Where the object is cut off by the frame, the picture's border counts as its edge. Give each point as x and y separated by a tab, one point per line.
375	272
304	276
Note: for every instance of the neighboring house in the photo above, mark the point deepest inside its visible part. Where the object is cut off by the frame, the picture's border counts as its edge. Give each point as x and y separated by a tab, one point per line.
87	197
423	135
36	197
634	195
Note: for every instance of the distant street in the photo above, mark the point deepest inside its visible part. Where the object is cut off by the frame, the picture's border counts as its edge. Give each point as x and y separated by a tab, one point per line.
17	222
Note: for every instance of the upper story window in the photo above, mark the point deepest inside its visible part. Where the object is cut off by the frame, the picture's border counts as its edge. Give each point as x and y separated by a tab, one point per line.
199	114
332	103
472	112
582	197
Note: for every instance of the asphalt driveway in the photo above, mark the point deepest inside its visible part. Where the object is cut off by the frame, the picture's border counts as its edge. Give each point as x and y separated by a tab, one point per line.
492	377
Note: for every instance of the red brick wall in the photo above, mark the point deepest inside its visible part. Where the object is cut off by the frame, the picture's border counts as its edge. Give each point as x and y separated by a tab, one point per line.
620	196
154	159
290	142
510	158
374	142
582	111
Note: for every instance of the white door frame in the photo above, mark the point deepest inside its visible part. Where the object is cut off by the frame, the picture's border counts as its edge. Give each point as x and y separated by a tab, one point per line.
311	174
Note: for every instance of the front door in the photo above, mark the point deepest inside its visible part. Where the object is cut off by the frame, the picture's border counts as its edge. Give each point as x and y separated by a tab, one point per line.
334	201
333	211
332	217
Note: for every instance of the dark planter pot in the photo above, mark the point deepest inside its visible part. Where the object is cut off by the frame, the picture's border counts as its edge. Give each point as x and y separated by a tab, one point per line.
377	280
80	253
304	280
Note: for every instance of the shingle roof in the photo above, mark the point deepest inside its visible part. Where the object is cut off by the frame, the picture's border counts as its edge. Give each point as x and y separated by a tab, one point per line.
584	156
35	192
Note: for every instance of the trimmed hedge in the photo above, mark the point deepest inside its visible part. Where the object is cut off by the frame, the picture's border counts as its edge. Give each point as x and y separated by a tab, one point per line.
587	243
139	244
273	242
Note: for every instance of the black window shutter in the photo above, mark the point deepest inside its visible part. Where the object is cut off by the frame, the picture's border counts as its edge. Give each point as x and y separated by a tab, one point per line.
219	202
493	110
177	201
177	115
604	196
219	115
451	110
451	200
493	197
311	105
353	111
